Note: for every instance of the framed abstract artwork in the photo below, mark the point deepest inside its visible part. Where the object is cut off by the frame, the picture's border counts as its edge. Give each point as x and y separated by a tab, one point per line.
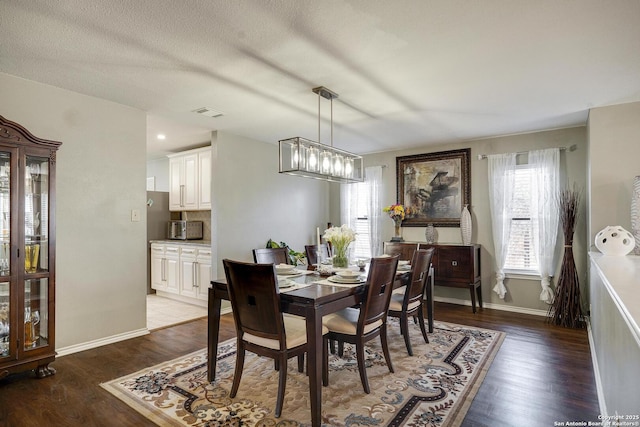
435	186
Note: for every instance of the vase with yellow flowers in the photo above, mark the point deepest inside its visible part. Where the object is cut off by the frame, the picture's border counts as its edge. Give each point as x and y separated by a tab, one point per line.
397	213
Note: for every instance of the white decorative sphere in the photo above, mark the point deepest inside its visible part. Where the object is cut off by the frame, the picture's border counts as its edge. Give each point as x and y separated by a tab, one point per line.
615	240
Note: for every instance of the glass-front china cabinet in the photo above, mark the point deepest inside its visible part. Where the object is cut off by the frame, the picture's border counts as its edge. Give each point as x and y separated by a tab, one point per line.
27	255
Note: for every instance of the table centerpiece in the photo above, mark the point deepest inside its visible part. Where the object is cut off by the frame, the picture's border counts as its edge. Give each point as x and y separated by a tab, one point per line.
340	239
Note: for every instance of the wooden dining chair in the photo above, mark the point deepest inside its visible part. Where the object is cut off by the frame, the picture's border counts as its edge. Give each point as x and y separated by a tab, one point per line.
261	326
407	301
271	256
405	250
360	325
311	251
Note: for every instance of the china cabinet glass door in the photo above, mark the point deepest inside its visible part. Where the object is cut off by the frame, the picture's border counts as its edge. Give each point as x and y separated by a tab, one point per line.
5	254
36	216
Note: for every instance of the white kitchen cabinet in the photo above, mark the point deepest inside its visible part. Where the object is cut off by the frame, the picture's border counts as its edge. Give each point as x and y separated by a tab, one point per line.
158	272
190	180
181	271
165	268
188	286
203	274
204	184
172	260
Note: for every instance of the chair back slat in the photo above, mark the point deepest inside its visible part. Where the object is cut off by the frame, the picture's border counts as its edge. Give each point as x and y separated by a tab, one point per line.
271	256
420	265
382	273
311	251
255	299
405	250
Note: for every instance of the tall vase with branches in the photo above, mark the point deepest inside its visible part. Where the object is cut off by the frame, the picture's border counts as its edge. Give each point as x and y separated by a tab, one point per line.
566	309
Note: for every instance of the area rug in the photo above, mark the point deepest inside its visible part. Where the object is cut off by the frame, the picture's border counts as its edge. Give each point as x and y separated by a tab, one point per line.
434	387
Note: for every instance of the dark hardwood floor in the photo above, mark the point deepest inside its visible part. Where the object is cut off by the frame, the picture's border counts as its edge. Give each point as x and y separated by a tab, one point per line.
542	374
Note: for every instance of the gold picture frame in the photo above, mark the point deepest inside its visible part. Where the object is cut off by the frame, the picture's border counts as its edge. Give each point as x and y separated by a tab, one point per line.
434	186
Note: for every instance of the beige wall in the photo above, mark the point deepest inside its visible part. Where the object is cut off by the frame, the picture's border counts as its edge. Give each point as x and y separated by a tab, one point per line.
522	294
101	261
614	155
159	169
253	202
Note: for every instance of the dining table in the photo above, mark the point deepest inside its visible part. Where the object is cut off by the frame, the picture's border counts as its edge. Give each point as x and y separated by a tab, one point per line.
311	296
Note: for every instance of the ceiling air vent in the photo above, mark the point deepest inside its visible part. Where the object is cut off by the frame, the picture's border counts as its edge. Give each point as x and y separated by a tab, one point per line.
209	112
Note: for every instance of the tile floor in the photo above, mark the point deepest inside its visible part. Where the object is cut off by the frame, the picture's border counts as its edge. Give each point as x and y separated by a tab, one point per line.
163	312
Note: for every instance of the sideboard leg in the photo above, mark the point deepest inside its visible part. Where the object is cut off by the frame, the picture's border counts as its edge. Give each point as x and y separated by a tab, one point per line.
473	296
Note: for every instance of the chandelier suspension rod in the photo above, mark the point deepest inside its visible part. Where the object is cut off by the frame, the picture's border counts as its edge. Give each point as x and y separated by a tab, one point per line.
319	140
331	122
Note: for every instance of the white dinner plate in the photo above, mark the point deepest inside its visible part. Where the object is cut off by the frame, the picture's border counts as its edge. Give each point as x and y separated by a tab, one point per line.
287	272
338	279
348	274
286	283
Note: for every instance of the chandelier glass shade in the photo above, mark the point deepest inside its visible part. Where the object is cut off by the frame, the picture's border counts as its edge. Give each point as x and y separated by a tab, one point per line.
303	157
311	159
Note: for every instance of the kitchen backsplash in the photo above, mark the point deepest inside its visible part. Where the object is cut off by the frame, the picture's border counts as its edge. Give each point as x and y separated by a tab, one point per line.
204	216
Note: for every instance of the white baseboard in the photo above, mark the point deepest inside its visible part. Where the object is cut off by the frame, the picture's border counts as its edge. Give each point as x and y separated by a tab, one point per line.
100	342
144	331
596	372
503	307
113	339
177	297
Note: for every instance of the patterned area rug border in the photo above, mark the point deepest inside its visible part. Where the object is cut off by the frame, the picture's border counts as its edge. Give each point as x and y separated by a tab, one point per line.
433	388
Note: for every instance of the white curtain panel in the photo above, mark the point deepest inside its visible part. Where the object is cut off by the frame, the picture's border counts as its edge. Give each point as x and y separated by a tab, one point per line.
373	176
349	206
501	184
545	213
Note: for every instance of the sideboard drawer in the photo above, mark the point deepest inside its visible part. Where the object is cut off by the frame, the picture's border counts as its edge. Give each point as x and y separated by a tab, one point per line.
454	265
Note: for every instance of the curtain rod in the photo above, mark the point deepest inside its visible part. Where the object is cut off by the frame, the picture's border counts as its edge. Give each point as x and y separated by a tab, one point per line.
574	147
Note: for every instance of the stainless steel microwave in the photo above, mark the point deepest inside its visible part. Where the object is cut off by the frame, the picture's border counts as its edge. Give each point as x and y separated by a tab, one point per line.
184	230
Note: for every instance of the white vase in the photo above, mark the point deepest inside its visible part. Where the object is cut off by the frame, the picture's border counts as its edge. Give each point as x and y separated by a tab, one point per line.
635	214
430	234
614	240
465	225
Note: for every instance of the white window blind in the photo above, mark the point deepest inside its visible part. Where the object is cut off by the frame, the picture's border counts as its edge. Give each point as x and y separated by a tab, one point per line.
361	247
521	256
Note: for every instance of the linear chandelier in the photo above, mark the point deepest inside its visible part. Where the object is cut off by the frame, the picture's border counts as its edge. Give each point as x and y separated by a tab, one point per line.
311	159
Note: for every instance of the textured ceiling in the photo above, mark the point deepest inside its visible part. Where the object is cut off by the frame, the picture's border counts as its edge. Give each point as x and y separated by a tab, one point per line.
408	73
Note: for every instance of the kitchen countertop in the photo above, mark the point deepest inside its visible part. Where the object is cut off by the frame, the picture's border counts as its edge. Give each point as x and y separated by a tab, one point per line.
203	243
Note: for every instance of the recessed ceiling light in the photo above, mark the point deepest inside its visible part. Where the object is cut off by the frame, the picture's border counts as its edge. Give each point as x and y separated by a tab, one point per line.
209	112
161	136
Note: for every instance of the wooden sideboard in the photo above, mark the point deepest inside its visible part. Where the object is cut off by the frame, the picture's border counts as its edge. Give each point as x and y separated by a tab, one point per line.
455	265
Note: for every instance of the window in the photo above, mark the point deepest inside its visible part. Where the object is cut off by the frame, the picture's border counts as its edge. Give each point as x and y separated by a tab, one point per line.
362	227
521	255
360	209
